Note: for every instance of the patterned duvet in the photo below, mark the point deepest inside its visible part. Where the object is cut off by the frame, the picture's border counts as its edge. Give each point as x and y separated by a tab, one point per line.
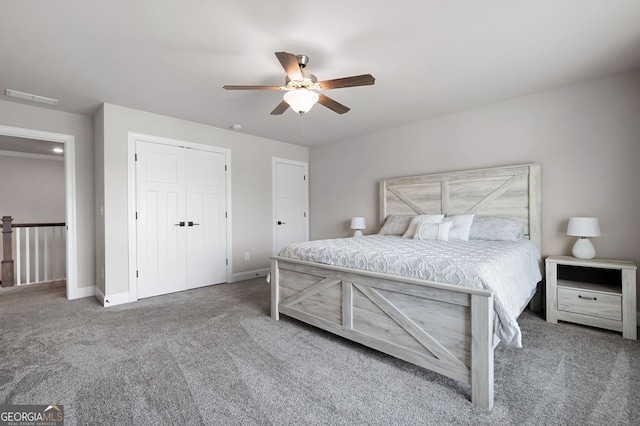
510	269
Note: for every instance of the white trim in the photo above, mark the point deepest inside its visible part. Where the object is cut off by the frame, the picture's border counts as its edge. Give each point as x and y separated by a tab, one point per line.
69	142
31	155
115	299
131	217
274	203
247	275
132	137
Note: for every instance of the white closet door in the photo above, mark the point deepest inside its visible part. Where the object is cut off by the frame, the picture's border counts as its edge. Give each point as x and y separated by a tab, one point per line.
161	227
206	221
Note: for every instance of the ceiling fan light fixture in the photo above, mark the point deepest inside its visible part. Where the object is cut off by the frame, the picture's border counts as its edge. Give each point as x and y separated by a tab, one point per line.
301	100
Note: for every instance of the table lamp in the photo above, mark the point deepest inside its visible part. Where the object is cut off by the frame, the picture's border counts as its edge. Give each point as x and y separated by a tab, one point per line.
583	227
358	224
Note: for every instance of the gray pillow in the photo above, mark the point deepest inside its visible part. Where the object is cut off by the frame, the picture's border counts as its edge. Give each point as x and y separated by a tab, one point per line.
496	229
395	224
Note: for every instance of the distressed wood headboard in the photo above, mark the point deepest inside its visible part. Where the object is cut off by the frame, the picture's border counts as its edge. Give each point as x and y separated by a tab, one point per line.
512	192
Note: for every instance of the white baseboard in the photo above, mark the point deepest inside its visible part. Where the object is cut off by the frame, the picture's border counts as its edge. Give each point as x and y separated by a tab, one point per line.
122	298
247	275
114	299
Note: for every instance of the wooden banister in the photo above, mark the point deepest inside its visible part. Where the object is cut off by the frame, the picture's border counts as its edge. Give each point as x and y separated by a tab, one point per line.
8	277
36	225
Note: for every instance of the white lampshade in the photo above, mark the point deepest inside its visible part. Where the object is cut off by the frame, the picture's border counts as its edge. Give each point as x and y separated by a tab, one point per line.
583	227
358	224
301	100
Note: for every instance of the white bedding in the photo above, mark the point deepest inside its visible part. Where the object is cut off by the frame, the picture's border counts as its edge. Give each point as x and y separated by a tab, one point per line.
511	269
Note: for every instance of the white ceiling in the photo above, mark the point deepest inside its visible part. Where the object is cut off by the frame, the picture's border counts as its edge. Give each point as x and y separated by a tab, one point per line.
429	57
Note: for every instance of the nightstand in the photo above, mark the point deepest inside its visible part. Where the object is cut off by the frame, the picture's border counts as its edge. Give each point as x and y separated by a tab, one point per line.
595	292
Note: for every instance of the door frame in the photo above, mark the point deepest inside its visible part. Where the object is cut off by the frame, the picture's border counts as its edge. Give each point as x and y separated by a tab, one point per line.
274	197
132	137
69	142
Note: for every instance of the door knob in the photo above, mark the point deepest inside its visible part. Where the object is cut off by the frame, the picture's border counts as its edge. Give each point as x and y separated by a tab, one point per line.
281	222
179	224
192	224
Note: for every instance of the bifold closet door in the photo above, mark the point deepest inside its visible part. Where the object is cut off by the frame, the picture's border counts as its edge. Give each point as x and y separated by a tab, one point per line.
181	225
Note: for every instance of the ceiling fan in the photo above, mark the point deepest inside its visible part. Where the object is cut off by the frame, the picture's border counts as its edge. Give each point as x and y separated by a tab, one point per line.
303	87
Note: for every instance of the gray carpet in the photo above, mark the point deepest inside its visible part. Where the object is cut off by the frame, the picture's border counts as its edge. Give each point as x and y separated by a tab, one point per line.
214	356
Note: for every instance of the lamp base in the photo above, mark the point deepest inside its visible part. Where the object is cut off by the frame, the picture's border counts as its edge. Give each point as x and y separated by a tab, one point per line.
358	233
583	249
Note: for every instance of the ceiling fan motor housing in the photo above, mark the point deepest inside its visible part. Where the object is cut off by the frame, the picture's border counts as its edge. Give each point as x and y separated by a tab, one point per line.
309	82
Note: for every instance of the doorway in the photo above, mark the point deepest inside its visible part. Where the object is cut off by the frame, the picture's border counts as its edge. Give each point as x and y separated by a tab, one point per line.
179	215
70	196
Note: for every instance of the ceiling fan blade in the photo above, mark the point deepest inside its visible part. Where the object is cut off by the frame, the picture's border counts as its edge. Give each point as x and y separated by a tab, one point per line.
290	64
282	107
331	104
358	80
252	87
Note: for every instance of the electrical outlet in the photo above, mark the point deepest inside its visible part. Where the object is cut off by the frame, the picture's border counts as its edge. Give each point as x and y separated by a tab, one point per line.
247	256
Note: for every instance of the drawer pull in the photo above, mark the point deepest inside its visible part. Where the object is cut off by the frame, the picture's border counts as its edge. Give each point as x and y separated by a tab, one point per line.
587	297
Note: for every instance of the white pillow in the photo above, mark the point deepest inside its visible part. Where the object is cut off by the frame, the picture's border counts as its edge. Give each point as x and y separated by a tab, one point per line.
433	231
423	218
461	226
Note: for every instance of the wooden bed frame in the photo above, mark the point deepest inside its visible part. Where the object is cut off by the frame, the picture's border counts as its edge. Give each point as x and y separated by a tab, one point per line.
445	328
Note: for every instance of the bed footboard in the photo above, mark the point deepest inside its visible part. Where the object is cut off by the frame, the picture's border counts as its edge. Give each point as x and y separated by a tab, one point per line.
442	327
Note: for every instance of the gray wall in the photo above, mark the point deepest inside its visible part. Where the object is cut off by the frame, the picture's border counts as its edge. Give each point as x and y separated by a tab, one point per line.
33	189
250	186
49	120
585	136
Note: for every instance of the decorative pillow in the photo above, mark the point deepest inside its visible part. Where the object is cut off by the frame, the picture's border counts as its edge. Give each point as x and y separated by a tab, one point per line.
461	226
433	231
395	224
496	229
423	218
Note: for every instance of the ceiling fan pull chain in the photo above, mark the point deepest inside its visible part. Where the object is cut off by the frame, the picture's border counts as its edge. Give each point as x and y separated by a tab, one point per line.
302	124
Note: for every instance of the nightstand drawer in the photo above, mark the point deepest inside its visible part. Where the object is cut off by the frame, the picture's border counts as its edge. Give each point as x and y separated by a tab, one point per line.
593	303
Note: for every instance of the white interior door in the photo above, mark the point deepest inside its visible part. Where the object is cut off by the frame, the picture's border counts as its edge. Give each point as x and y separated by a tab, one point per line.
161	225
290	203
206	218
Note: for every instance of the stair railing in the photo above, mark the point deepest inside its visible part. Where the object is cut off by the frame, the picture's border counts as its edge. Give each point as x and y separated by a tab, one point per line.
40	252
